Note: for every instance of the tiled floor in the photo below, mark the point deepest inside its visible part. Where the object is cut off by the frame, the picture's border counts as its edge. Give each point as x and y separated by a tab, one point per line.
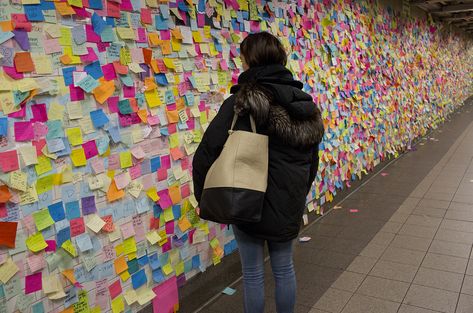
406	250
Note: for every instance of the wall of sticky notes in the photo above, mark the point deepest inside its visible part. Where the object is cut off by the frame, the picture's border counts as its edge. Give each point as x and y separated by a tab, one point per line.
104	102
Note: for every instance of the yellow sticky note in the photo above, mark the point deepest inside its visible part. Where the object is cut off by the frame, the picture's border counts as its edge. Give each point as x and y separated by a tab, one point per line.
29	196
118	305
119	249
129	245
18	180
145	295
36	242
42	219
43	64
45	184
125	159
125	276
69	247
28	154
179	268
78	157
168	215
76	3
167	269
152	98
43	166
153	237
74	135
56	111
8	270
130	296
95	223
153	194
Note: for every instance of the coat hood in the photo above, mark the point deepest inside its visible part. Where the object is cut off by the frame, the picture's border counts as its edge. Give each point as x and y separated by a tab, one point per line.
272	96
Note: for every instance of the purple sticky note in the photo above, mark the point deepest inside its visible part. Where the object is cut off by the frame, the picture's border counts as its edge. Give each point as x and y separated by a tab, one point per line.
88	205
21	36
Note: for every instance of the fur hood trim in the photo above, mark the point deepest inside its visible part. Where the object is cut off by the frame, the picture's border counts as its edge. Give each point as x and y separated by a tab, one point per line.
284	110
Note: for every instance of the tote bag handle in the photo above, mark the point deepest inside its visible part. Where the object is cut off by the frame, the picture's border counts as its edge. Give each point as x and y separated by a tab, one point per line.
252	122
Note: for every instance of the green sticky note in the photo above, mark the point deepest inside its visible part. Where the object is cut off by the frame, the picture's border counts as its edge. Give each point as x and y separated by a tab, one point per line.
42	219
124	106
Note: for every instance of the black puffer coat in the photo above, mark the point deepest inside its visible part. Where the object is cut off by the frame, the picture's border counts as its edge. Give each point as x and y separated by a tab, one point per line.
293	123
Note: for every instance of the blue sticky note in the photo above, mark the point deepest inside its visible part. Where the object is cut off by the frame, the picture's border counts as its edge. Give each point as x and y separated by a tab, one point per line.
195	261
99	118
154	261
115	134
56	211
158	276
127	80
83	242
161	79
94	69
67	73
96	4
176	210
63	235
139	279
66	150
88	84
102	144
34	13
133	266
143	260
47	5
155	164
55	129
3	126
161	22
37	308
72	210
4	36
98	23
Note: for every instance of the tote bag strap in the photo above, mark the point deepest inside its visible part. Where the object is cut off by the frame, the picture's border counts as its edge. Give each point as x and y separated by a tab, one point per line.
252	122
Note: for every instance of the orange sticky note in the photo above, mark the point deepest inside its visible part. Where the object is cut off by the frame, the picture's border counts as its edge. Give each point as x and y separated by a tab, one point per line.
64	8
69	274
176	154
175	194
114	193
23	62
8	234
143	114
5	194
120	69
65	59
173	116
120	265
104	91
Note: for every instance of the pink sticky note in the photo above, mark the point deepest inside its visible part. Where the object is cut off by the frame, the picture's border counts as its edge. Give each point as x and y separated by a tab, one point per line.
90	149
127	230
33	283
98	166
170	228
166	162
135	171
90	56
115	289
113	104
23	131
91	35
153	120
51	246
109	72
166	296
39	113
129	92
9	161
40	131
11	71
76	93
165	35
164	199
162	174
185	191
167	246
142	35
21	113
52	46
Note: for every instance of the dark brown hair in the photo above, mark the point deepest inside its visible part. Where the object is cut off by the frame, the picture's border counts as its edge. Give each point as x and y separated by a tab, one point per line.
262	49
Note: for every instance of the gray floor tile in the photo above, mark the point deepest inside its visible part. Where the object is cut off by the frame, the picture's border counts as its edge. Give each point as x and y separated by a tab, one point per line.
428	203
383	288
395	271
465	304
373	250
459	215
362	264
431	298
382	239
399	217
461	206
445	263
349	281
463	198
363	304
434	195
427	221
314	310
467	287
430	212
454	236
418	231
439	279
405	256
410	242
450	248
333	300
457	225
391	227
469	270
414	309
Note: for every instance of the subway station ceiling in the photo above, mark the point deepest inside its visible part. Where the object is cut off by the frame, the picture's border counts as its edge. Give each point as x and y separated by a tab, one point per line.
457	13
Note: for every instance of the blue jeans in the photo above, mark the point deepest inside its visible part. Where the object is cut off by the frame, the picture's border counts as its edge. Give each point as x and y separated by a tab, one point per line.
252	260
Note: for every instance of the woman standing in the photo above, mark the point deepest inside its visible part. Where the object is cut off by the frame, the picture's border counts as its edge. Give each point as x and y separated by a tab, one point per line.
268	91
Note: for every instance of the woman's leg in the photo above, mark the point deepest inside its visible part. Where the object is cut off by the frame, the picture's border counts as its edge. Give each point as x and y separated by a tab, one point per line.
252	260
284	275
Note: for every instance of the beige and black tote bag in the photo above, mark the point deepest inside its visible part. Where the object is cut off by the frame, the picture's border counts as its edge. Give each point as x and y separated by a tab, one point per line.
236	183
